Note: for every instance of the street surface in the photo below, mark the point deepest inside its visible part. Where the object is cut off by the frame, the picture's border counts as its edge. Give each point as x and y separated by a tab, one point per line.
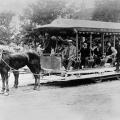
99	101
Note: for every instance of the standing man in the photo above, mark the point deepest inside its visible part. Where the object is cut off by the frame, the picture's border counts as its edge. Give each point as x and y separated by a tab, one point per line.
70	54
85	54
118	57
64	56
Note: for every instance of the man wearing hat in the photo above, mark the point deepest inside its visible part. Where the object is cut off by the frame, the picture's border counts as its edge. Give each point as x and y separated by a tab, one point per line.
70	54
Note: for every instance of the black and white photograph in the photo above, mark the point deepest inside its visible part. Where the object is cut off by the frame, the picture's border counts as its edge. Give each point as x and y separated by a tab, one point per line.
60	59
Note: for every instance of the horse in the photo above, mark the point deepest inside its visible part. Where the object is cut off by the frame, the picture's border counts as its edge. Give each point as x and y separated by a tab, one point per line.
15	61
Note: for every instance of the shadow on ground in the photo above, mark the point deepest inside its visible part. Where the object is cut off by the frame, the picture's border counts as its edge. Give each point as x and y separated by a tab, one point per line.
73	83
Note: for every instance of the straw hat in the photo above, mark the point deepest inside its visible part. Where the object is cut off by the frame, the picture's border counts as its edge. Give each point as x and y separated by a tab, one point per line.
69	41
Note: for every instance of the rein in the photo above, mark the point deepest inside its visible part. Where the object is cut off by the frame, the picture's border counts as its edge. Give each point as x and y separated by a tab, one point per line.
11	69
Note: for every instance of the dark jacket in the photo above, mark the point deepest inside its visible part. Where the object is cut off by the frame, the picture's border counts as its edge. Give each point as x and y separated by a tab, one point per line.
85	52
118	52
109	51
98	52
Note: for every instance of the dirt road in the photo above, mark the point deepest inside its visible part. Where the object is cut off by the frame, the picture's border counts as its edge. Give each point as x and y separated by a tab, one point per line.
84	102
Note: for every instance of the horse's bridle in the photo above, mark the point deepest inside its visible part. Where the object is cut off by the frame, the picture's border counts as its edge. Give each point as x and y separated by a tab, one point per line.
1	54
1	59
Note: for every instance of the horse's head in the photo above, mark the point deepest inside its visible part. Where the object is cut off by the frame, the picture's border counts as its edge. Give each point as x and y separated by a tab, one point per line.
4	53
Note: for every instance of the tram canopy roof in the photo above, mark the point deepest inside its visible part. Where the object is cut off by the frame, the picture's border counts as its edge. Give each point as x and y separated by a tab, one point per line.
82	25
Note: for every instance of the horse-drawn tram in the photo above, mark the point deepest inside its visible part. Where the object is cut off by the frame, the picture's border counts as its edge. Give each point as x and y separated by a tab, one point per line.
84	63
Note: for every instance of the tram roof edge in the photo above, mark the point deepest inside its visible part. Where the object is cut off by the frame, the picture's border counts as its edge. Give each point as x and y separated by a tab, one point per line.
82	25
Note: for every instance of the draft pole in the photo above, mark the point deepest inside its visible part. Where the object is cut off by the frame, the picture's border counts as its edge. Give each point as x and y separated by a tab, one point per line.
90	45
76	32
114	37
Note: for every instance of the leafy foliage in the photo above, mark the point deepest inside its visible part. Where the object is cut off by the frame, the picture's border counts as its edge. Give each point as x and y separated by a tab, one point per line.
42	12
45	11
5	19
107	10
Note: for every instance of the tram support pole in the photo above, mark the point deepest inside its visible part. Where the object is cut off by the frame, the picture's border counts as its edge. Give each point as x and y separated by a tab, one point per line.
76	43
114	37
103	46
90	45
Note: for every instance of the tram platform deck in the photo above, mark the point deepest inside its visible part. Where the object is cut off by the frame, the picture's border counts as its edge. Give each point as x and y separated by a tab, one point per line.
94	74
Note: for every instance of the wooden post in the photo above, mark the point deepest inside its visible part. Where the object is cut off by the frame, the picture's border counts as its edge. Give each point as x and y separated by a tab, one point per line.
90	45
114	37
76	43
103	45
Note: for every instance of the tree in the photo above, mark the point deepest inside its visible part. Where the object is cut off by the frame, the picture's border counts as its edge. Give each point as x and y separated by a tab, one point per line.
107	10
5	20
42	12
45	11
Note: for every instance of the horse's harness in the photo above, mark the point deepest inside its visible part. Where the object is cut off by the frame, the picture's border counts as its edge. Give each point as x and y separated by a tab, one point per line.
11	69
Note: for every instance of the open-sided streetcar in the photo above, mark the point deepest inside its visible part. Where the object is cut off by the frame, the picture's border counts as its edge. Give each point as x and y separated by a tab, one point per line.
79	31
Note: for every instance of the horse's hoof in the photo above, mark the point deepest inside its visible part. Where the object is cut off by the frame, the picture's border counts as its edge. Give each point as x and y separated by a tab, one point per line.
2	92
35	88
6	93
15	86
38	89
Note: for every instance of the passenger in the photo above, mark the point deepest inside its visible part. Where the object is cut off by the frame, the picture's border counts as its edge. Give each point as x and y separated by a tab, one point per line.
118	57
85	54
110	53
40	50
70	55
97	54
64	56
52	52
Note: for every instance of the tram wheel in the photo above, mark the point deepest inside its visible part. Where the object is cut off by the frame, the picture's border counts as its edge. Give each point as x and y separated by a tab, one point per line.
98	80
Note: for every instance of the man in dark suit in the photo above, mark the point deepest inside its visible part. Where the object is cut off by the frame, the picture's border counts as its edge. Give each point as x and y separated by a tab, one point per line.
85	54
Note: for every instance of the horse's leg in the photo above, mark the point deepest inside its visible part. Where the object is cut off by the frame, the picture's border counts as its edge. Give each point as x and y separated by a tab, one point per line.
3	84
7	85
35	86
38	81
35	70
16	76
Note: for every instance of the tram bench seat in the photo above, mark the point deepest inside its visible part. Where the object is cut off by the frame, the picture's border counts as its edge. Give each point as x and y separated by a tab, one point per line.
90	63
103	61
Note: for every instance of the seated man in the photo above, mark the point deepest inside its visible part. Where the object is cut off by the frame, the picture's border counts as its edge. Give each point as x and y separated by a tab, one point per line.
69	54
110	53
97	54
